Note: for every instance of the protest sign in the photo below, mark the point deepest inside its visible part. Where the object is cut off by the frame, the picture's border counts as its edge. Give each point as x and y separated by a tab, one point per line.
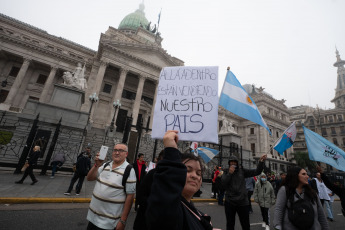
187	101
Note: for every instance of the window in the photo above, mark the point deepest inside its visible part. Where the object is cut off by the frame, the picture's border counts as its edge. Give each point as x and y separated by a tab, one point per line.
340	117
252	147
322	120
277	134
343	141
251	130
14	71
342	130
271	149
324	131
41	79
34	98
128	95
335	141
3	95
333	131
285	154
311	121
148	100
107	88
330	119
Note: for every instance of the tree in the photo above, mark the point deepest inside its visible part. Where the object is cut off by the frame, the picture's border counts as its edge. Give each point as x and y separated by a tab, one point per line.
303	161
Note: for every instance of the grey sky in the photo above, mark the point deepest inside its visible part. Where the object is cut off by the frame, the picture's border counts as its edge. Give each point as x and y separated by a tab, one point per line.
287	47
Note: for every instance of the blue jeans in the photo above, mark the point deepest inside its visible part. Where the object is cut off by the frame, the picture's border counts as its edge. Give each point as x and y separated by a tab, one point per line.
329	209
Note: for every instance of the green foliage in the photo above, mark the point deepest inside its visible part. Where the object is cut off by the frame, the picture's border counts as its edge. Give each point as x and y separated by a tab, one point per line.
303	161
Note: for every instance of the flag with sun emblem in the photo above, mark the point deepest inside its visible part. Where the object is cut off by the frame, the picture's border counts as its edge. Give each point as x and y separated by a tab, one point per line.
235	99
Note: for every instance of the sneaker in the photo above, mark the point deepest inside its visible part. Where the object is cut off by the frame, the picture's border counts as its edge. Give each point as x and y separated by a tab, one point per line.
19	182
264	225
67	193
34	182
77	194
51	177
267	227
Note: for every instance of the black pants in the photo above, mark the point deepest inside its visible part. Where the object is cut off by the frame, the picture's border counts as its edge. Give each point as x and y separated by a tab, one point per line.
250	193
91	226
264	213
75	177
230	213
29	171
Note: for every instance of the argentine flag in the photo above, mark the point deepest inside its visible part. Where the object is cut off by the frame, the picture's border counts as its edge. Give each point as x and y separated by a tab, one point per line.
207	154
235	99
320	149
287	140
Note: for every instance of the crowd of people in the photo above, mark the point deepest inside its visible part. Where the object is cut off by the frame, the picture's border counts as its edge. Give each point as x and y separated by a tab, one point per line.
165	190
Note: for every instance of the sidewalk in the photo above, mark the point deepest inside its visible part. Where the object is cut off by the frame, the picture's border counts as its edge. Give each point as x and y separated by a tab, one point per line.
48	190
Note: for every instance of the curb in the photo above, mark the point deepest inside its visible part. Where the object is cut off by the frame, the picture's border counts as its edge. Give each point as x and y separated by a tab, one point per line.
31	200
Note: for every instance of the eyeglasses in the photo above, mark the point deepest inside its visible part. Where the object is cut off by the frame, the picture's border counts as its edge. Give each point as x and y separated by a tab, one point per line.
119	150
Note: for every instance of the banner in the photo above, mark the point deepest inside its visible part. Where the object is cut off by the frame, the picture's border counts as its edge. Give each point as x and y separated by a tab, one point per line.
187	101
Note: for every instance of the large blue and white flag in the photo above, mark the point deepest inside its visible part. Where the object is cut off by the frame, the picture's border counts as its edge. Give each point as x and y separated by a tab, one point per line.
235	99
207	154
320	149
287	140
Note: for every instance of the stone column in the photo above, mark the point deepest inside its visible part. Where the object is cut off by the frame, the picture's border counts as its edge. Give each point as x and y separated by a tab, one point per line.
118	93
97	85
48	84
137	101
153	105
17	82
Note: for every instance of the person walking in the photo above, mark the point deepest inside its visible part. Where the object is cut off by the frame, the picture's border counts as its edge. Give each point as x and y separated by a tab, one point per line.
265	197
139	167
250	185
236	197
32	161
339	191
58	161
83	166
329	205
113	195
297	205
320	187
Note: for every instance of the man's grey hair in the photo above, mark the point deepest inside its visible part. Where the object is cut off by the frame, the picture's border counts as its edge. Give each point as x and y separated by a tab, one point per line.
122	144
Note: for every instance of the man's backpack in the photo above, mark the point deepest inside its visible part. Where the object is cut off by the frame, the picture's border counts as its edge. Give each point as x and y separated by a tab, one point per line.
125	174
301	213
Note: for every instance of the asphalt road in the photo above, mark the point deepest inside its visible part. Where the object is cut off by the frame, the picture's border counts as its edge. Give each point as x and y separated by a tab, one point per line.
73	216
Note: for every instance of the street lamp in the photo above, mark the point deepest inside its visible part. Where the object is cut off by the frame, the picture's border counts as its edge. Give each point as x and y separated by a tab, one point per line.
92	98
116	104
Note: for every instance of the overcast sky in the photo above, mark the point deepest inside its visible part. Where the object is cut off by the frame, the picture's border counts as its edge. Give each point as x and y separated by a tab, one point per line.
285	46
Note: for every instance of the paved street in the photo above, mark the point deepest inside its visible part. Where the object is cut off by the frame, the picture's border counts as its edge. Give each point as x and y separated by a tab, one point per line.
73	216
50	209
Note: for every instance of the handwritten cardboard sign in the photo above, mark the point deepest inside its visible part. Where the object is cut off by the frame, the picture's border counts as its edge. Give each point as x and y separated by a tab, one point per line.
187	101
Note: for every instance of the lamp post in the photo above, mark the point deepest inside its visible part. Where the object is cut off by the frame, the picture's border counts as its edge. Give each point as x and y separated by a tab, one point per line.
92	98
116	104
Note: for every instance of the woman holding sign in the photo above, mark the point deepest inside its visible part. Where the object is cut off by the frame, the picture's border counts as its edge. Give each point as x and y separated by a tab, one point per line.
178	176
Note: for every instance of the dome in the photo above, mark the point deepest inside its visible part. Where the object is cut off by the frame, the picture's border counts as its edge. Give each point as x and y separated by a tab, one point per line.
132	21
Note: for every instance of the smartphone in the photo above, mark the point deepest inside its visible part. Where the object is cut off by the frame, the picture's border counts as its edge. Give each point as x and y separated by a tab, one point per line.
103	152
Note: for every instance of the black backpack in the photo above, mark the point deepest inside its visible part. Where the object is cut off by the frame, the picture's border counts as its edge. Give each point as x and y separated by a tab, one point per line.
125	174
301	213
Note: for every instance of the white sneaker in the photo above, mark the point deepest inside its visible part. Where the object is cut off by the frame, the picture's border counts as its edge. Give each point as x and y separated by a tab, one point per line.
51	177
77	194
264	225
267	227
67	193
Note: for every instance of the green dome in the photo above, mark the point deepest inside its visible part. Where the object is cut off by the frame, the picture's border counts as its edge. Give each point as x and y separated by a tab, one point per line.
132	21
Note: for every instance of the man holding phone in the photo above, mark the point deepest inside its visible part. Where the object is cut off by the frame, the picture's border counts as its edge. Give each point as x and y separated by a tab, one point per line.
111	202
236	196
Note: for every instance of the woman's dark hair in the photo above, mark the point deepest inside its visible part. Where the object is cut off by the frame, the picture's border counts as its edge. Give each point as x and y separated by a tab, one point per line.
190	156
291	182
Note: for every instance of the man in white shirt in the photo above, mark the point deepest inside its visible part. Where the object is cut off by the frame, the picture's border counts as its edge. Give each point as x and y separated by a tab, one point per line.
110	204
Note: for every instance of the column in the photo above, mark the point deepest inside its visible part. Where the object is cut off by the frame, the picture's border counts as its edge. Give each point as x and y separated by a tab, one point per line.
118	92
137	101
17	82
48	84
153	105
97	85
